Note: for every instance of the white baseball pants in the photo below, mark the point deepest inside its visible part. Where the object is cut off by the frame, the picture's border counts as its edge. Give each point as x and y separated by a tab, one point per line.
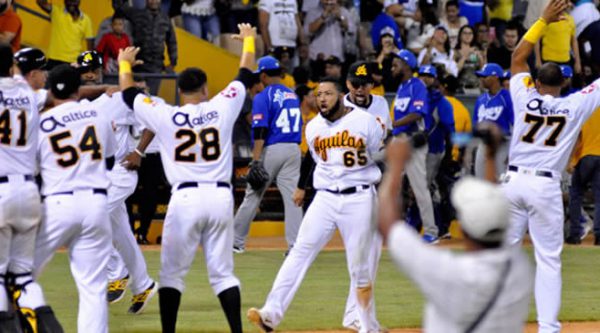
536	204
79	221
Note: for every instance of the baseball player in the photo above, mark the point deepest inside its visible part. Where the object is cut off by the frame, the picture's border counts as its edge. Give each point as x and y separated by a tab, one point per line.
545	130
494	105
276	132
486	288
342	142
20	209
410	112
359	83
32	64
76	146
123	184
196	150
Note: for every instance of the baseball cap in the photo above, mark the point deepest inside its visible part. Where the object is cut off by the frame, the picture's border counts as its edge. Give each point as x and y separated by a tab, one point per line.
387	31
441	27
89	61
64	81
428	70
360	72
267	63
567	71
333	60
29	59
506	75
482	209
490	69
408	57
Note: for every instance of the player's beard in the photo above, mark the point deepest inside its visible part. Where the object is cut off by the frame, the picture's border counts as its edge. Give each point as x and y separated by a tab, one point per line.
329	114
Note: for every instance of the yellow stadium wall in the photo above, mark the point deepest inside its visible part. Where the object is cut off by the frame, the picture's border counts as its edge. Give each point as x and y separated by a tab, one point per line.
220	65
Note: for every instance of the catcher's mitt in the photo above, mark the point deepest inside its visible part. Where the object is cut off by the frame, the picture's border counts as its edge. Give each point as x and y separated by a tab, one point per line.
257	176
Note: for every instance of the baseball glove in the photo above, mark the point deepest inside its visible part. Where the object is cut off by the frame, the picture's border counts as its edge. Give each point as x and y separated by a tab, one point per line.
257	176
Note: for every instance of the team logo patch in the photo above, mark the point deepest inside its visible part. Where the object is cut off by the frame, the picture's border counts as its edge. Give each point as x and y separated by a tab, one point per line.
257	117
230	92
528	82
418	104
361	70
281	96
149	100
588	89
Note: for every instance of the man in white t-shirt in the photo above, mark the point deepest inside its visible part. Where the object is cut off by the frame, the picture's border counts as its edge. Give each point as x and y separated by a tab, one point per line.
280	25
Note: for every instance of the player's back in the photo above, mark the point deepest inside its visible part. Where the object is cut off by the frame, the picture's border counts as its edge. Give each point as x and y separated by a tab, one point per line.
546	127
18	127
122	119
195	139
74	142
278	108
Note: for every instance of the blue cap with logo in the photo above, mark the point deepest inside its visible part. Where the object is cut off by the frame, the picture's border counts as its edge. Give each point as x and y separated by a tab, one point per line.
567	71
408	57
267	63
490	69
506	75
428	70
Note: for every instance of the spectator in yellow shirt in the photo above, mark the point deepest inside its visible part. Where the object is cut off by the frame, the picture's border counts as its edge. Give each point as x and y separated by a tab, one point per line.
586	160
462	117
70	27
308	109
556	44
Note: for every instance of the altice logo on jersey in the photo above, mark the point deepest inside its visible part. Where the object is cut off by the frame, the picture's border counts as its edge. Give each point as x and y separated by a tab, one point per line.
14	102
183	119
50	124
537	104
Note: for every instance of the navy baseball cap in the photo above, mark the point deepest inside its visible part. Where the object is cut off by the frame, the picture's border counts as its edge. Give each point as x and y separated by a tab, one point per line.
567	71
267	63
428	70
490	69
408	57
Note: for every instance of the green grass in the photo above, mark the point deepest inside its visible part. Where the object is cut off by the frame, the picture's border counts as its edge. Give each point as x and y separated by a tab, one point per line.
319	303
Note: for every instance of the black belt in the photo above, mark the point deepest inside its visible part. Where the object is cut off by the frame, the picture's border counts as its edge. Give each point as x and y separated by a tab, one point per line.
195	184
349	190
95	190
540	173
4	179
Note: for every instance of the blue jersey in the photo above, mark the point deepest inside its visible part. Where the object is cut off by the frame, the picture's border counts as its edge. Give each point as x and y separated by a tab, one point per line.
441	115
277	109
385	21
411	98
498	109
472	10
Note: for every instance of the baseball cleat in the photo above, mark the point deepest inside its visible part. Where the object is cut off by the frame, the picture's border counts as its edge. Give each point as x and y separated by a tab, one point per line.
116	290
430	239
139	301
255	318
238	249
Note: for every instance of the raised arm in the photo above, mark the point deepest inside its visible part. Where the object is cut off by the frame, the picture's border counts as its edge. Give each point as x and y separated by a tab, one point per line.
248	36
552	13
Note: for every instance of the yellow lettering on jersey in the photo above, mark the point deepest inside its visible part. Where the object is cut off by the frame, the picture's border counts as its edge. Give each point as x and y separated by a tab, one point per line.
339	140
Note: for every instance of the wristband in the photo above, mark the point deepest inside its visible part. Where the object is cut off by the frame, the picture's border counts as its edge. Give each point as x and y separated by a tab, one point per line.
137	151
124	67
248	45
536	31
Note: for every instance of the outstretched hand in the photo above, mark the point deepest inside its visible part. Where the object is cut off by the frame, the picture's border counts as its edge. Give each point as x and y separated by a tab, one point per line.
128	54
555	11
246	30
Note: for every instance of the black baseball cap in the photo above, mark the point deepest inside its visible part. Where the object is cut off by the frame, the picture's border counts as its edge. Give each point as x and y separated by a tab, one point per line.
64	81
360	72
89	61
333	60
29	59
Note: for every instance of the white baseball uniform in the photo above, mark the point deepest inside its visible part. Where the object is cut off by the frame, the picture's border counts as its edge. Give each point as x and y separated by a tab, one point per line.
344	177
195	149
20	208
458	287
544	133
380	109
123	184
74	141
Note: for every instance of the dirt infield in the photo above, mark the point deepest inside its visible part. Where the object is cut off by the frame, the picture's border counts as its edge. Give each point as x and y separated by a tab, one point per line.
579	327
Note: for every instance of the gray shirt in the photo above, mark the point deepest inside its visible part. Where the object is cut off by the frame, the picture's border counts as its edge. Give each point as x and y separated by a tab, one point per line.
329	39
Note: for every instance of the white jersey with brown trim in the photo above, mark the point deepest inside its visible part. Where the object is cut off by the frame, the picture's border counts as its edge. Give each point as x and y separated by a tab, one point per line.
343	150
546	127
378	108
194	139
19	118
75	140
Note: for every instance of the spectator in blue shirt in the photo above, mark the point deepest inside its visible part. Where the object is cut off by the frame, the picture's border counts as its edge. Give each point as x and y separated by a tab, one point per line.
277	128
567	73
384	24
494	105
411	110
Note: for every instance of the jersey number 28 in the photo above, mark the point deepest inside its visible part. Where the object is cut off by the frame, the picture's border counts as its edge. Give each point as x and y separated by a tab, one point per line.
210	145
284	121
